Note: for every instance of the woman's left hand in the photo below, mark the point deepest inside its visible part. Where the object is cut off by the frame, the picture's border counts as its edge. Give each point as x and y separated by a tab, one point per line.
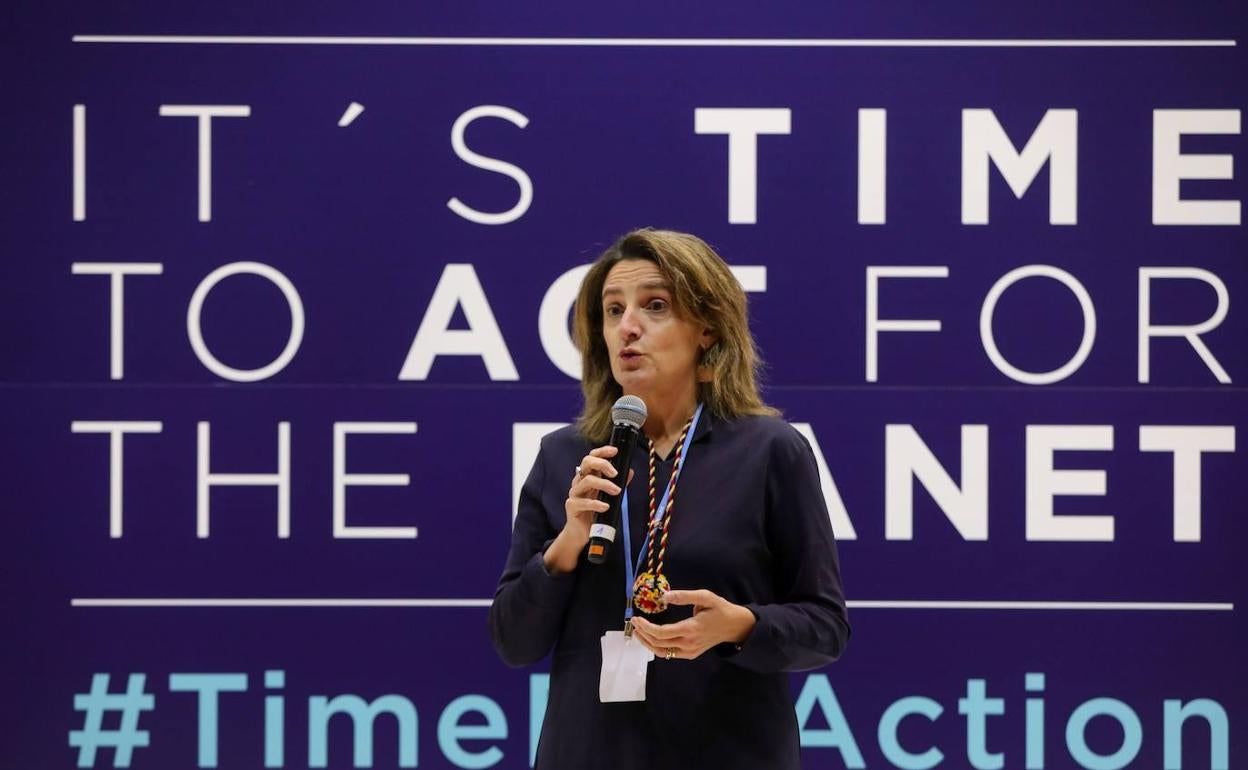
715	621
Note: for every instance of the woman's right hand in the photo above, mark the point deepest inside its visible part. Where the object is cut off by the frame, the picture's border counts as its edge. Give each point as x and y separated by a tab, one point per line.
593	476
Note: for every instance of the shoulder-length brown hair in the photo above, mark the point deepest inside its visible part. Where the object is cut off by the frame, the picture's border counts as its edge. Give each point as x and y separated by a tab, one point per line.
705	293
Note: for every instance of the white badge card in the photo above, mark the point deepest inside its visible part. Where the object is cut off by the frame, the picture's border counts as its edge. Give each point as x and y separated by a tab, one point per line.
624	662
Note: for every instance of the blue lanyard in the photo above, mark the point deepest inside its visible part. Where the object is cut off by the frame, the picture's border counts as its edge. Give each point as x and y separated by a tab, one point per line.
659	513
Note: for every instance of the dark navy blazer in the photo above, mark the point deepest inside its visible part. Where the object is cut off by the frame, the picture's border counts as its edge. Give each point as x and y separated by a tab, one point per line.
750	524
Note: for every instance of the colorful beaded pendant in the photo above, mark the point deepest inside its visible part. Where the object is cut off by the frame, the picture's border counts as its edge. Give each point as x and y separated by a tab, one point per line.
650	593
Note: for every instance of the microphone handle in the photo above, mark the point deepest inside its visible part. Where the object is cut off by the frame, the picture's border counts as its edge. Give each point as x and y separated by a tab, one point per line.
602	533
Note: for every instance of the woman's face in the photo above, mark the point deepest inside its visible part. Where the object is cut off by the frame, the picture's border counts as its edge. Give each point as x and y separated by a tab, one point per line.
652	349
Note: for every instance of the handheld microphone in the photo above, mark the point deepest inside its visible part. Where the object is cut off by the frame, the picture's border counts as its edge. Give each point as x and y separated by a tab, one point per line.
627	417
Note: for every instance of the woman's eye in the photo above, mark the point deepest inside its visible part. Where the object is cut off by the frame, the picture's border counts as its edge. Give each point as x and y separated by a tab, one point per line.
613	310
657	304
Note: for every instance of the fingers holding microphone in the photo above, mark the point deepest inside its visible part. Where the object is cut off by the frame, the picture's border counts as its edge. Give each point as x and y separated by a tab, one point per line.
593	476
589	519
580	507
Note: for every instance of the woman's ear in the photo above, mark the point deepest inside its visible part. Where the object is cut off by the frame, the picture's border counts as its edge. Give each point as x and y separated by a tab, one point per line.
707	356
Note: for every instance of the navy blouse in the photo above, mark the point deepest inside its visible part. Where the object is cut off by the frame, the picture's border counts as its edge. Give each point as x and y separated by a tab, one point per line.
750	524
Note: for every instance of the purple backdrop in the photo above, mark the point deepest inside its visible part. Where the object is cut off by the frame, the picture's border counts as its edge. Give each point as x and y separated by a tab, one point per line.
355	219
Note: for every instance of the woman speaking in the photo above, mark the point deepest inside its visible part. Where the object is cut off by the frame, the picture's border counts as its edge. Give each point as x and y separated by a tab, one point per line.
671	653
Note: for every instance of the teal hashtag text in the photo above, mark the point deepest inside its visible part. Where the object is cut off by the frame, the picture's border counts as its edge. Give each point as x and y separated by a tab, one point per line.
99	701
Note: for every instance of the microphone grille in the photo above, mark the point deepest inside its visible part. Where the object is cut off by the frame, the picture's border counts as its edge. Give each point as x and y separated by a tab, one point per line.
629	410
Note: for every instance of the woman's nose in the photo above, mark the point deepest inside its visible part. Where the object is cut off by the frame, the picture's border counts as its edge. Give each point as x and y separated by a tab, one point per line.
630	326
